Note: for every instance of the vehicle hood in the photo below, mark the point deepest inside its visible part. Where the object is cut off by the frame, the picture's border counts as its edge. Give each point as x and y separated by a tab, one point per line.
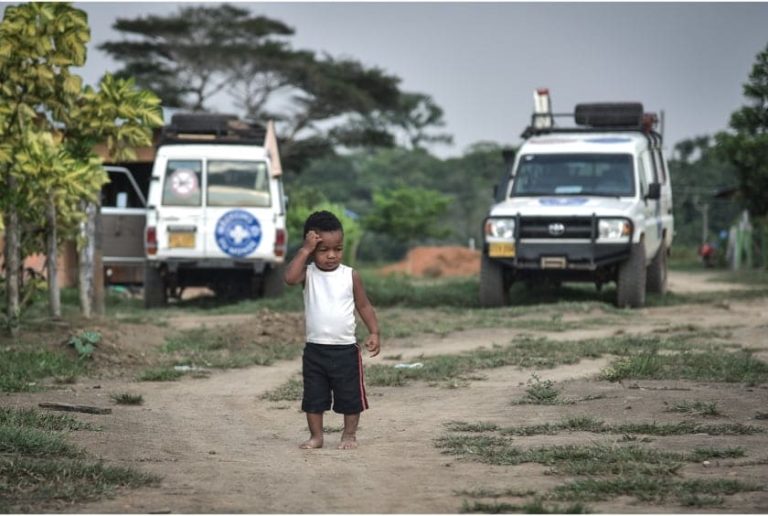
547	206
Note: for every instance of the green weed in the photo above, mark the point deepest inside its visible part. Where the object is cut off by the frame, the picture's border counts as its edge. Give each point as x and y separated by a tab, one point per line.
126	398
159	374
292	390
702	408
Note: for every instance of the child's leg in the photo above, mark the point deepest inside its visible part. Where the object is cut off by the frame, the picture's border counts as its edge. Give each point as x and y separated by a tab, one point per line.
349	436
315	423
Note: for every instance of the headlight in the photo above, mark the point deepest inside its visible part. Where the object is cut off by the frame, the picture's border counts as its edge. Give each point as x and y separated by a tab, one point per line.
614	228
500	228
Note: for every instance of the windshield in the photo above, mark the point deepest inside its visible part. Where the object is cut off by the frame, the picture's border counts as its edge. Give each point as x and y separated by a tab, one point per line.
238	183
574	174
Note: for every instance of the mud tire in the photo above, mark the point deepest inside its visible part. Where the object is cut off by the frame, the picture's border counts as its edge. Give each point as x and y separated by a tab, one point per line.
155	292
494	291
656	275
272	283
630	282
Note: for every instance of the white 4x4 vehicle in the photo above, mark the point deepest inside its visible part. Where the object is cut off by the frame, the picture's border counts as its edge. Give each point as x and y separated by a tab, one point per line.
215	210
591	202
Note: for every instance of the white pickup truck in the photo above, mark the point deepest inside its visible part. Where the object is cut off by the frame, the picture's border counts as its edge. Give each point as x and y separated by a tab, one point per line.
590	202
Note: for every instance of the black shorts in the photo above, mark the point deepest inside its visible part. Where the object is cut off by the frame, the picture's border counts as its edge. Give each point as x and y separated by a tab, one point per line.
333	372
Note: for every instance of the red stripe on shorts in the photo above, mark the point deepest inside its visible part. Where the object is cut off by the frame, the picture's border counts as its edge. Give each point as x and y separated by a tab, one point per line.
363	399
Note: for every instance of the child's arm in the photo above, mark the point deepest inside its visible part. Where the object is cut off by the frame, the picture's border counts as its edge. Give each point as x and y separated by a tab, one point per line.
367	314
296	271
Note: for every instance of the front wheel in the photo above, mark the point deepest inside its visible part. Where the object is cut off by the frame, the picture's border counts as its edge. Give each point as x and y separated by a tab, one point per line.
630	283
493	288
656	280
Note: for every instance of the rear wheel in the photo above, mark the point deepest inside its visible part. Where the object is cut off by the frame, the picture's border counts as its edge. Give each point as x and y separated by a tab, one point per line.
630	283
154	287
656	280
273	284
493	289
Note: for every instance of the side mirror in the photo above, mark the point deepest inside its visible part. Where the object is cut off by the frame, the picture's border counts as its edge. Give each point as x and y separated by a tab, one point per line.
654	191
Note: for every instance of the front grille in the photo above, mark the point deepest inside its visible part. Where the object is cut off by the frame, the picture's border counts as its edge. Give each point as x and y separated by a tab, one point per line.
539	227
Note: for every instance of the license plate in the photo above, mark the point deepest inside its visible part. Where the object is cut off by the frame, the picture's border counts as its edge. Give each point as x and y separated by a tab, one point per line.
181	239
501	250
554	262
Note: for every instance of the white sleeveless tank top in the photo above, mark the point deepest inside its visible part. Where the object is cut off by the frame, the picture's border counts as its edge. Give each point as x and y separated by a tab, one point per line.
329	306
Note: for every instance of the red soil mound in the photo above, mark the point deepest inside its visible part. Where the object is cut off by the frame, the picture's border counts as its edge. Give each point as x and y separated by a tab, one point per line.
435	262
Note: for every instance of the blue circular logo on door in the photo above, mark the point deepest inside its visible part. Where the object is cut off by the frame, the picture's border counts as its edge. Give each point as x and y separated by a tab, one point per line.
238	233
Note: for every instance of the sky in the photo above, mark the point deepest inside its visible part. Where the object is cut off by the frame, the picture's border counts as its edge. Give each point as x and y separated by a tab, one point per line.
481	61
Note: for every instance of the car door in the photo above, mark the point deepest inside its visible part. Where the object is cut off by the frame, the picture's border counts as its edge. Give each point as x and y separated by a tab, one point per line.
651	208
239	216
123	216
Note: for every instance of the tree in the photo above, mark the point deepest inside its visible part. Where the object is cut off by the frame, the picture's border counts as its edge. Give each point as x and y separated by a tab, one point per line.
416	114
48	124
407	214
187	58
317	101
746	146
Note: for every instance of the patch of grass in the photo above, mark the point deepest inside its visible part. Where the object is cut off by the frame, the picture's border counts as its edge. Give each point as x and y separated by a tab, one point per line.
39	469
588	424
701	454
533	507
33	442
21	370
710	365
541	392
127	398
31	418
159	374
542	353
460	426
225	347
490	493
29	483
292	390
702	408
650	489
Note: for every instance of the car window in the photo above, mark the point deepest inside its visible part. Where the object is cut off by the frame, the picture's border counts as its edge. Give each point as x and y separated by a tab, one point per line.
182	183
121	192
574	174
238	183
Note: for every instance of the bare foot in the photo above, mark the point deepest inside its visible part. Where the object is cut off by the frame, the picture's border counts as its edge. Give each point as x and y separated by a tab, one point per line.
311	443
347	443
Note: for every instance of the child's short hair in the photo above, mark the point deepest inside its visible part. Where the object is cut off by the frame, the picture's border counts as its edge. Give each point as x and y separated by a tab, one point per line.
322	221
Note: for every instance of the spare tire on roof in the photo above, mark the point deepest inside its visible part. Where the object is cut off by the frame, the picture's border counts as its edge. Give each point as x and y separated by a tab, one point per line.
201	122
609	114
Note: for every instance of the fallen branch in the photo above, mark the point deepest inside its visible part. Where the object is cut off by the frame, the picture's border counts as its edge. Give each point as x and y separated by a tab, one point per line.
88	409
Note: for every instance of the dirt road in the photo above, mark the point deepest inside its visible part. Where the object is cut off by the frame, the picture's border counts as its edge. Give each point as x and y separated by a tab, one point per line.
221	448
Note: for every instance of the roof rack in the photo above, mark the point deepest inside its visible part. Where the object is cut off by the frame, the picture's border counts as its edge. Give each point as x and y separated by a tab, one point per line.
597	118
212	128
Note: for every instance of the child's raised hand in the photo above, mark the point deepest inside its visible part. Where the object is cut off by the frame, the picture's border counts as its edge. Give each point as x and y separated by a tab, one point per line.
372	344
311	240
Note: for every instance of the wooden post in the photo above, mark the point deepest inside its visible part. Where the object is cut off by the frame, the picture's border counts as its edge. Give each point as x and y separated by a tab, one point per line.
99	297
12	263
85	269
54	297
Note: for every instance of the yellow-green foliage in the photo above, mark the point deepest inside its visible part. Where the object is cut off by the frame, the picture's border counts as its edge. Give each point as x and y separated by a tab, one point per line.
49	122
